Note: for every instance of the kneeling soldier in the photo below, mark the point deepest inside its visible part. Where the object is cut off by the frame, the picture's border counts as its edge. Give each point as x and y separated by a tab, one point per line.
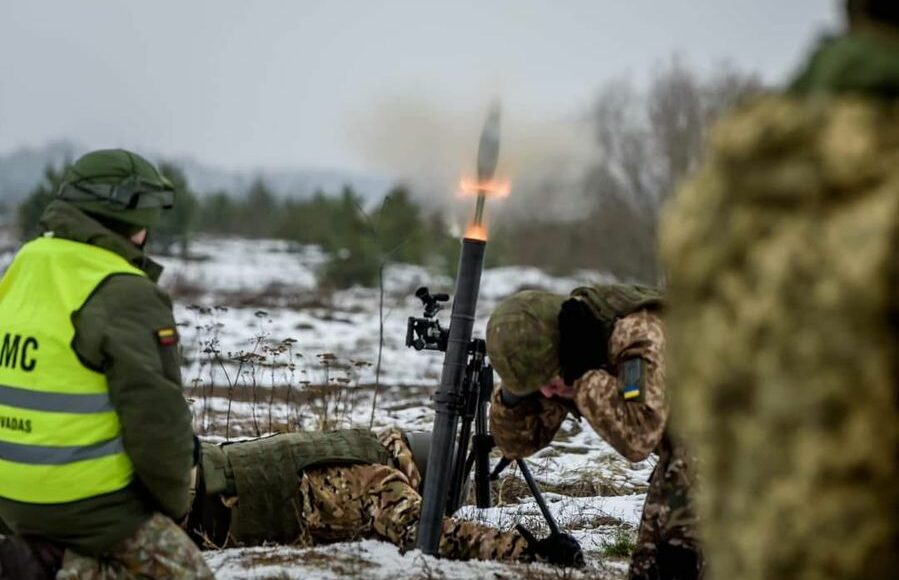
96	444
597	353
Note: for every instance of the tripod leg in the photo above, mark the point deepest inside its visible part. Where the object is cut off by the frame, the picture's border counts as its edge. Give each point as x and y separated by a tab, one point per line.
481	452
499	468
483	441
460	469
538	497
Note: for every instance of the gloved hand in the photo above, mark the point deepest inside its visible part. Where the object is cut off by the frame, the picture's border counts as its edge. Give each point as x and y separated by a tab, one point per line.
558	549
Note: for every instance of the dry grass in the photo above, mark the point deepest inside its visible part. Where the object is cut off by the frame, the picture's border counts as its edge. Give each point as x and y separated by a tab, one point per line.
511	489
283	387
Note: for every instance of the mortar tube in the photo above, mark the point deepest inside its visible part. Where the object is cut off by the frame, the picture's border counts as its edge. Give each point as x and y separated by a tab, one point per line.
446	399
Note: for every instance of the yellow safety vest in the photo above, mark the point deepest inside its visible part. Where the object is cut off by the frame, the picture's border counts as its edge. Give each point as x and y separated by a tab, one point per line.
60	439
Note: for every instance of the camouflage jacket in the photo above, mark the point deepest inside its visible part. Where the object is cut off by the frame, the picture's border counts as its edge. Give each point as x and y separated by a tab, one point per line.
634	427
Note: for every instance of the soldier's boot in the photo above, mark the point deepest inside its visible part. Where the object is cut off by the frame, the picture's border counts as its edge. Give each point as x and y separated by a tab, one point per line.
159	549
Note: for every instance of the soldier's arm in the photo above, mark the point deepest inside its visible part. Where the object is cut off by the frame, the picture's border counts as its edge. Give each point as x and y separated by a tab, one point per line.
527	427
117	333
629	414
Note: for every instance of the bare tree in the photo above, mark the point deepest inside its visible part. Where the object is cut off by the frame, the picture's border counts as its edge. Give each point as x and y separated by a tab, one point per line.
647	142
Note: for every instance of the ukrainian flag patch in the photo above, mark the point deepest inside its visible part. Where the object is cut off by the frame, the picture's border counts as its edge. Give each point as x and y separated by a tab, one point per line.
632	380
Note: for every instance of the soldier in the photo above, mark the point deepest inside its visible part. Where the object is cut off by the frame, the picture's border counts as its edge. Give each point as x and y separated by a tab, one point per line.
598	354
310	487
784	265
96	444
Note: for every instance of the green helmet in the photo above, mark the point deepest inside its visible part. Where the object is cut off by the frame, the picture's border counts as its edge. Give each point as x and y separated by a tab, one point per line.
523	340
118	184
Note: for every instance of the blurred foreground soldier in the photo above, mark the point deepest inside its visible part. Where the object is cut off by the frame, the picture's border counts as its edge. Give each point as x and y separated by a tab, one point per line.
311	488
96	445
597	354
784	261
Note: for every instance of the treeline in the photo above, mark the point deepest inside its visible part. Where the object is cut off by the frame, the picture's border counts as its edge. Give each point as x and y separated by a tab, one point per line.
645	141
358	242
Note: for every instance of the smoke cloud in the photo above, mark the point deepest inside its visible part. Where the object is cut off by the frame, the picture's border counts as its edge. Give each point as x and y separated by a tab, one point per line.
429	145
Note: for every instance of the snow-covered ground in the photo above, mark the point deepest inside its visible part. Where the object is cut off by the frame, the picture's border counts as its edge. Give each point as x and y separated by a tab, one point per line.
265	349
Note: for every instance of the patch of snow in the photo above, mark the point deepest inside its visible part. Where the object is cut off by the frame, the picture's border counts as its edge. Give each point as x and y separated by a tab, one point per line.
374	560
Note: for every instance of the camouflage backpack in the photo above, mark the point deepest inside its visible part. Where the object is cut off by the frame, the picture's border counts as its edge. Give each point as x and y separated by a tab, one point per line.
610	302
783	254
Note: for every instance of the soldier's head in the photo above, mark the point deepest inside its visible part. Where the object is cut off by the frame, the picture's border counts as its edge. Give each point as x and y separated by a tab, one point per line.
523	340
879	12
121	189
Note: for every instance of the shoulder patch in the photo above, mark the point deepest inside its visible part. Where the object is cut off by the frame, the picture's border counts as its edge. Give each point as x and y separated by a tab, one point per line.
167	336
632	380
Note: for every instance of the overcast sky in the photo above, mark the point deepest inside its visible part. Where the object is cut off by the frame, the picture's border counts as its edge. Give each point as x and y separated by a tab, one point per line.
287	83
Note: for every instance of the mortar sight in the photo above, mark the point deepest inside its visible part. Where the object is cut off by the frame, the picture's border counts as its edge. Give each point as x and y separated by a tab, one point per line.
426	333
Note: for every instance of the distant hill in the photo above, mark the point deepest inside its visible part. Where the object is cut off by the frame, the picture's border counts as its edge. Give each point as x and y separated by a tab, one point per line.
23	168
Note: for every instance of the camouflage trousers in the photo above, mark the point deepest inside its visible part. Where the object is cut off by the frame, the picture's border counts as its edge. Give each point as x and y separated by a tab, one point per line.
341	503
159	549
667	543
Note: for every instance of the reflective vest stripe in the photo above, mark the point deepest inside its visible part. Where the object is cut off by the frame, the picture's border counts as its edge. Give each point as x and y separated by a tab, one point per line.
43	455
54	402
26	426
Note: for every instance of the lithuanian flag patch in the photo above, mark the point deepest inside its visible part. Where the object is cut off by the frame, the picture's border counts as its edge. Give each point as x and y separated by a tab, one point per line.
167	336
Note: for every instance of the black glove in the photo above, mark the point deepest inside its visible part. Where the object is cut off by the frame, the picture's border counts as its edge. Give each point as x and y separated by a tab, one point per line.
558	549
583	340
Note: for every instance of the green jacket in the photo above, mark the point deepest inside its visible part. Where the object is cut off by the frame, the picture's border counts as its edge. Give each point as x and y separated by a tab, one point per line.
115	332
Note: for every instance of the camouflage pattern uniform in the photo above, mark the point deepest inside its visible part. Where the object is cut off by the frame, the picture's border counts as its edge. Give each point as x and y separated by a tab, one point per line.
635	428
784	258
339	502
159	549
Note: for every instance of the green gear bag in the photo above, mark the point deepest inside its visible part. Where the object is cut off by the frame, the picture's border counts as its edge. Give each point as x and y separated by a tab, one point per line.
609	302
265	474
